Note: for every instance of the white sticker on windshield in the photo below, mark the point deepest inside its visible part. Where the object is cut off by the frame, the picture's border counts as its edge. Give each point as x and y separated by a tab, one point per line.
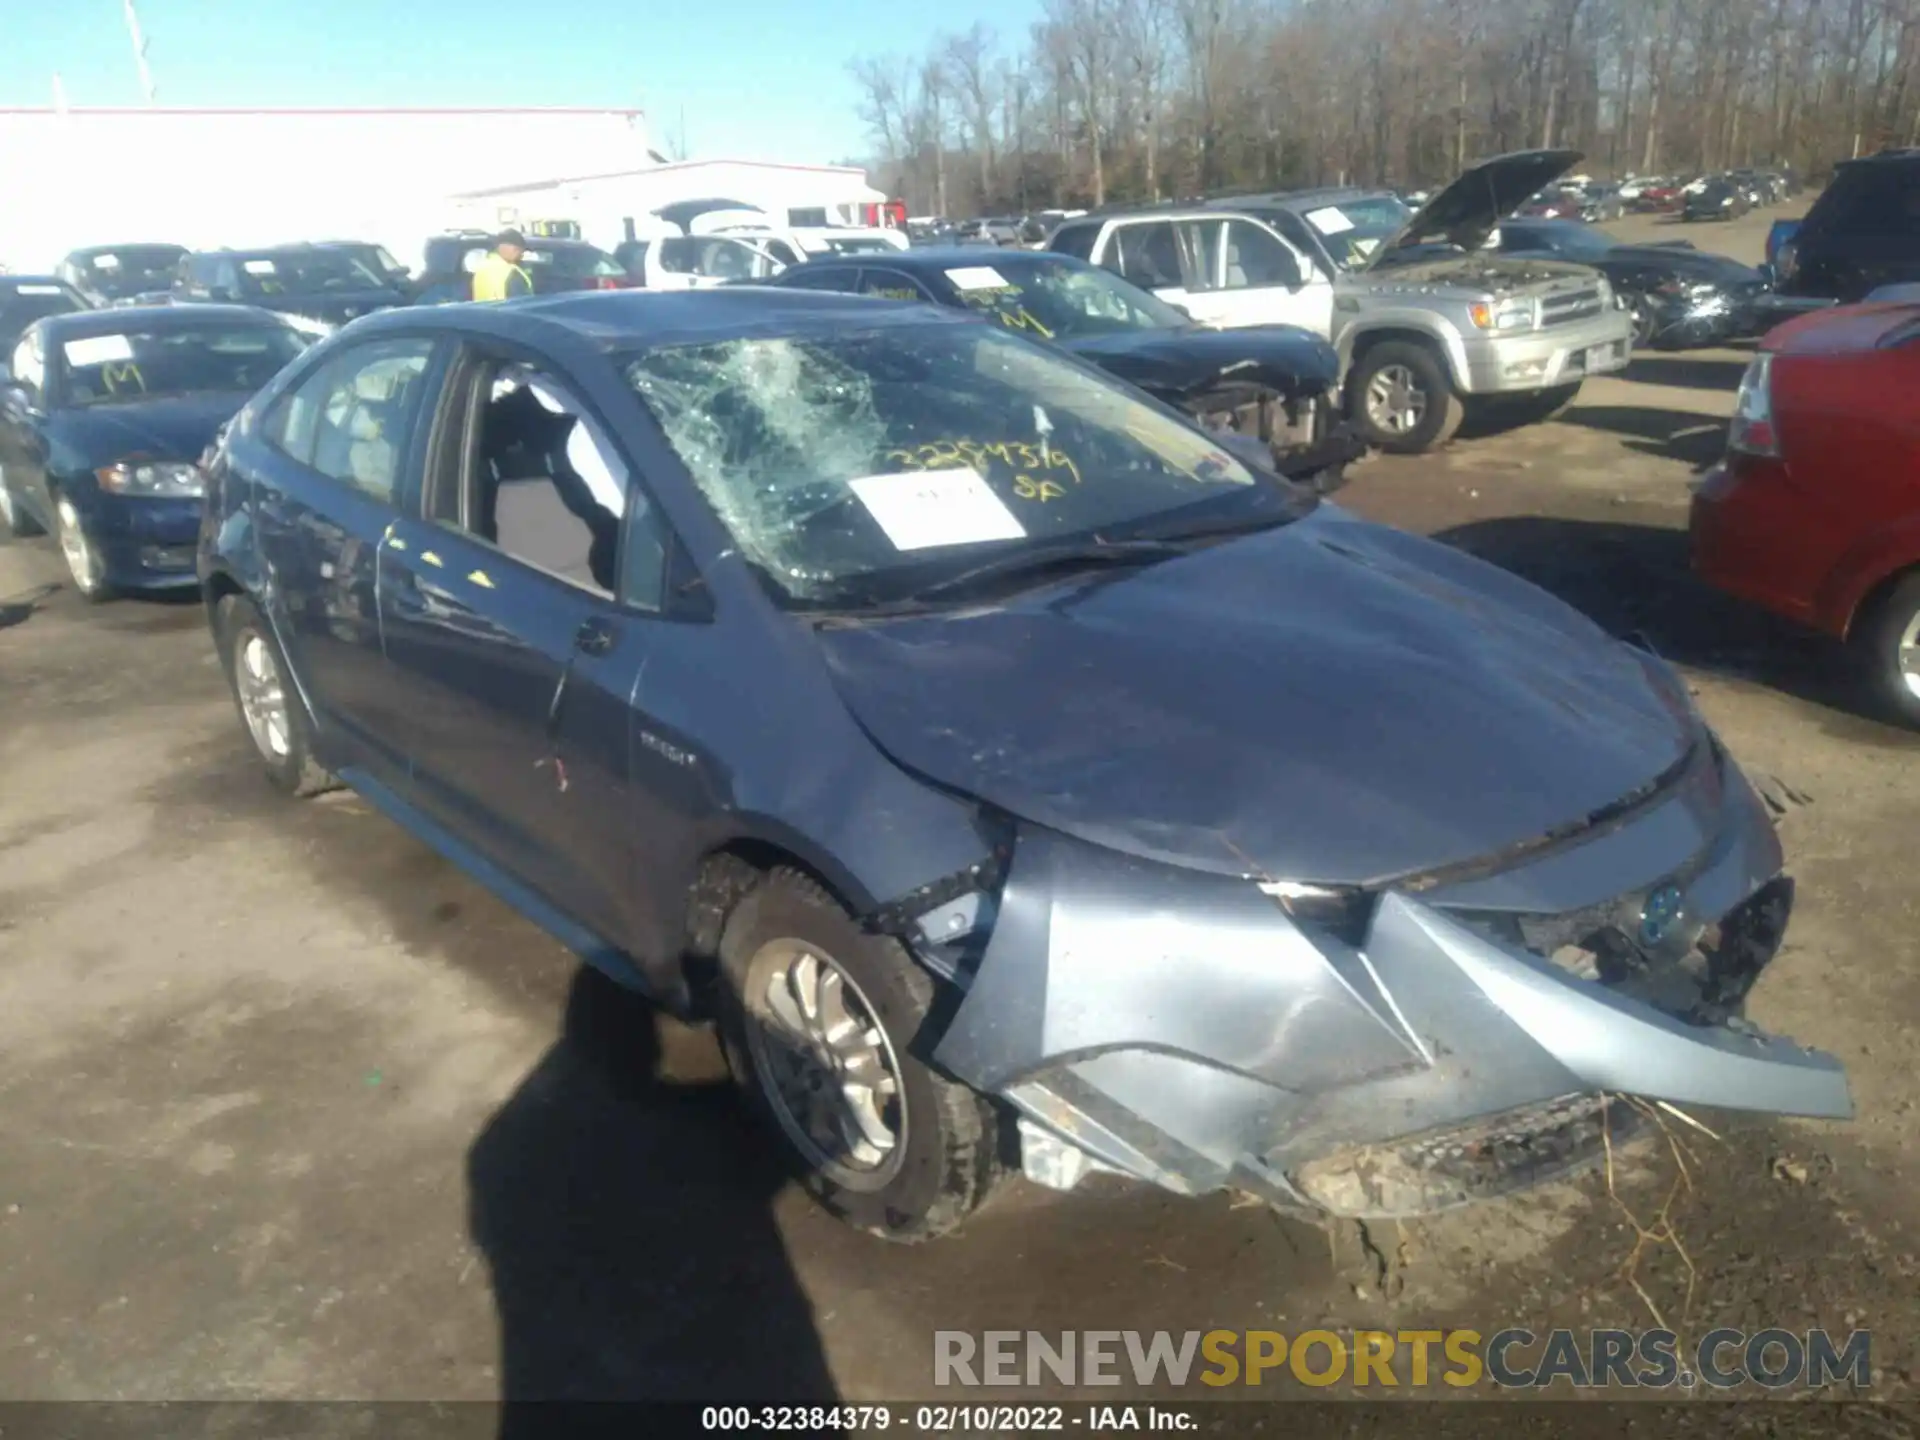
36	289
977	277
99	350
106	262
1328	220
1367	244
257	267
936	507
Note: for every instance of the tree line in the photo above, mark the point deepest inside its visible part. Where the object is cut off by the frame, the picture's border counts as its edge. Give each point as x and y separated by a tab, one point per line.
1111	100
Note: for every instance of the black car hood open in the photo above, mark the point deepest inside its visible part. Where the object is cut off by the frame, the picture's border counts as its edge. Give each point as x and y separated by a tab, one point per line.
1333	701
167	428
1178	363
1470	209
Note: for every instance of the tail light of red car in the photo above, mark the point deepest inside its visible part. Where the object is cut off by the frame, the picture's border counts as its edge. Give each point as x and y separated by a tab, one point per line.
1752	431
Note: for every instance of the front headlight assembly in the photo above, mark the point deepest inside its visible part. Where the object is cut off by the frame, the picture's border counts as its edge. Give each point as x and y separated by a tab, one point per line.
1506	315
167	479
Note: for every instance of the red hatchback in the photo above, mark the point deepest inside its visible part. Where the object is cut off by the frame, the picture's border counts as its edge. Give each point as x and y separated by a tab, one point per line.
1815	512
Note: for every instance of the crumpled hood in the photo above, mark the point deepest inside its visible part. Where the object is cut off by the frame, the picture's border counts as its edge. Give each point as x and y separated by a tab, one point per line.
170	428
1333	701
1479	273
1177	363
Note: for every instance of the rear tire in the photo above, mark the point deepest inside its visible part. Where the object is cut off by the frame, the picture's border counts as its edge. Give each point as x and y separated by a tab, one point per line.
1401	399
937	1155
263	692
14	519
1886	646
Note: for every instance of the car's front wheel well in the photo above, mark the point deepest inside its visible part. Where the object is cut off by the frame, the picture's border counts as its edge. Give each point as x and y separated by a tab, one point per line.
1390	334
1875	598
722	879
217	587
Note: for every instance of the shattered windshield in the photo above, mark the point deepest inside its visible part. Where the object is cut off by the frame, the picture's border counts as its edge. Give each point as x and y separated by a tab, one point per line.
855	467
1060	300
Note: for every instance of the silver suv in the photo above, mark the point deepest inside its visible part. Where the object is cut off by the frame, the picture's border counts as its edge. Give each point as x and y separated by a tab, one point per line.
1424	321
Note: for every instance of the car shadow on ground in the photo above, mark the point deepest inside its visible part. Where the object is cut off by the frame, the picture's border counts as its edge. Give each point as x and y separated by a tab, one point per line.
627	1222
1635	579
1686	371
1685	435
18	609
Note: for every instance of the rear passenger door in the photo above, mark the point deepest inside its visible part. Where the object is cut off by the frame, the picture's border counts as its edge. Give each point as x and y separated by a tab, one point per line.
333	450
1147	252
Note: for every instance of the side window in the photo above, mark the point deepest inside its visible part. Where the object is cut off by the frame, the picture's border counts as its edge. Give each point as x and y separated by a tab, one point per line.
1885	204
201	272
1201	241
29	365
1256	256
546	487
1147	254
890	285
352	419
226	278
835	277
1075	240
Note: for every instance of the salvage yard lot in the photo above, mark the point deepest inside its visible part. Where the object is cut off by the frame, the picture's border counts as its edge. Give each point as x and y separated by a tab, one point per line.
289	1108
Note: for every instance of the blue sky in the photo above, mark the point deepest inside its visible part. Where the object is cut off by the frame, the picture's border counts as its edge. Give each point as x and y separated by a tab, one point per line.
763	79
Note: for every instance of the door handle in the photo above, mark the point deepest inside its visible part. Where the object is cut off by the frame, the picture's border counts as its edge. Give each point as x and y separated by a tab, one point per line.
595	636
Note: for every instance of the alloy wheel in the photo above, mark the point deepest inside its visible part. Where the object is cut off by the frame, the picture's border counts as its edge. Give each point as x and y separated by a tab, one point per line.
825	1065
83	563
263	697
1396	401
1908	655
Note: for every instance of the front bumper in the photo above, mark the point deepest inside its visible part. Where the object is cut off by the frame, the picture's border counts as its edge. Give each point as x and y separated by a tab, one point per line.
1182	1029
1544	359
145	544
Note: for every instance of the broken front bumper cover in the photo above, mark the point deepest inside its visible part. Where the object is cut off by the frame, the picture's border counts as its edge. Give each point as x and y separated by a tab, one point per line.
1183	1029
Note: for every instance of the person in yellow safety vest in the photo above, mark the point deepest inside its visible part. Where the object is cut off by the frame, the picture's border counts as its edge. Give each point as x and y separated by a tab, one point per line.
500	276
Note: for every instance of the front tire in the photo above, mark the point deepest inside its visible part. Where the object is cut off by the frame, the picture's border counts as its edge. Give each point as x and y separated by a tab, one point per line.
821	1021
1401	399
85	566
264	694
1887	649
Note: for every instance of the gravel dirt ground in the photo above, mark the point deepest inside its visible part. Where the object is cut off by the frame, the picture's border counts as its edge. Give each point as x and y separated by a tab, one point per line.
290	1109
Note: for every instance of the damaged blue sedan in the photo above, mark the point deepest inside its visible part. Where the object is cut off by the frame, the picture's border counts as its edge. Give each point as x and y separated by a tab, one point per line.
1018	776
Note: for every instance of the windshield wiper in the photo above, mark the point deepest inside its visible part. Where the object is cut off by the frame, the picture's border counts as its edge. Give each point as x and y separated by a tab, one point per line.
1064	558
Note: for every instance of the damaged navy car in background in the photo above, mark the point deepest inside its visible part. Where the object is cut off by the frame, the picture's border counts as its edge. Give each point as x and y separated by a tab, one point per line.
1277	384
1011	768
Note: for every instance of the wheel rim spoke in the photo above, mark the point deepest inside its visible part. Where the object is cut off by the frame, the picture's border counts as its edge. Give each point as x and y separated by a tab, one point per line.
826	1064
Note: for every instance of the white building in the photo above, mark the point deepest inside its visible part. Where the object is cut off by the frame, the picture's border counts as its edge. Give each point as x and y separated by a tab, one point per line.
206	178
618	205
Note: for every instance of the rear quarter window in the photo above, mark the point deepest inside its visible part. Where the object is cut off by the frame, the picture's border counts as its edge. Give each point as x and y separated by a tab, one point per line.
1075	240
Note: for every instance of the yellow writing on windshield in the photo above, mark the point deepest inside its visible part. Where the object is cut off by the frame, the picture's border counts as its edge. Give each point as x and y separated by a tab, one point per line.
122	377
1039	471
1003	301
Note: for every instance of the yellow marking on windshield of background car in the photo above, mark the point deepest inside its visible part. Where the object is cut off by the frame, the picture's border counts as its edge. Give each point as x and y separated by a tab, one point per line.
998	299
482	579
394	542
427	557
1021	318
123	377
1039	470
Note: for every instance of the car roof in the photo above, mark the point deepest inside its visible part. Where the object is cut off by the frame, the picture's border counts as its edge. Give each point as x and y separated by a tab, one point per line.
89	251
1300	199
936	257
82	323
621	319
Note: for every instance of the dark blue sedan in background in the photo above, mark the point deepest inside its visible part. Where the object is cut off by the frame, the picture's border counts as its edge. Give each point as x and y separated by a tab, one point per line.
104	415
